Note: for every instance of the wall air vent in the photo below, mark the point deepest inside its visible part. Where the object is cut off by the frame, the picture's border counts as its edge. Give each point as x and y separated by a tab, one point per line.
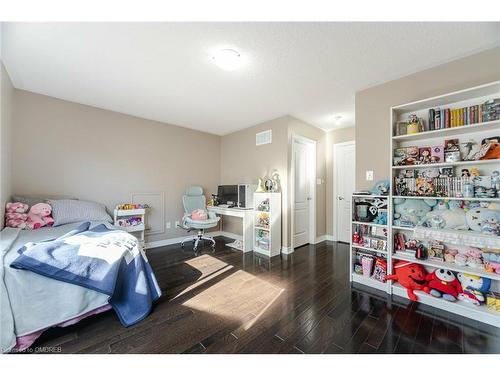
263	138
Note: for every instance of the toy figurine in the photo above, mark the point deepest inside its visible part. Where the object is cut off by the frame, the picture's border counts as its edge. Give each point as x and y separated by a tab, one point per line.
356	238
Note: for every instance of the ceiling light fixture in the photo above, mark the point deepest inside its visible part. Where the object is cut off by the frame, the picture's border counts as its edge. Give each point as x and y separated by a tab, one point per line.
337	120
227	59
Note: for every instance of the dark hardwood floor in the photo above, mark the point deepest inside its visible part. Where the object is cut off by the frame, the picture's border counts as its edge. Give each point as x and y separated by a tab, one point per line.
227	302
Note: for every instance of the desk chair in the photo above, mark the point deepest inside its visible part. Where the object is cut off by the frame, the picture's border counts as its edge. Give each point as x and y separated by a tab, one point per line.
194	200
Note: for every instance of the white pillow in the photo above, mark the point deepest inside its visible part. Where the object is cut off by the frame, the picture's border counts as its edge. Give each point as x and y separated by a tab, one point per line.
65	211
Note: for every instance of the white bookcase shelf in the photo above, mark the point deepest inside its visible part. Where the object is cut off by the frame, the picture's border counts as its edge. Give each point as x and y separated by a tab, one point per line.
356	248
267	224
459	99
449	132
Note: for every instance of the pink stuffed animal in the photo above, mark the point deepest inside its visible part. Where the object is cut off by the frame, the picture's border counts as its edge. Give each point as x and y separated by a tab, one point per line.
15	215
39	216
199	215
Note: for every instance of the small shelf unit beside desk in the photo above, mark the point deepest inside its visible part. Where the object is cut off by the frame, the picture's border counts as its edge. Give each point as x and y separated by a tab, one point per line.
267	224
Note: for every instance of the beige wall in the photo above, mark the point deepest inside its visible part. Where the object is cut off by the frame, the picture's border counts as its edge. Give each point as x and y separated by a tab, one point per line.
372	105
64	148
333	137
243	161
5	140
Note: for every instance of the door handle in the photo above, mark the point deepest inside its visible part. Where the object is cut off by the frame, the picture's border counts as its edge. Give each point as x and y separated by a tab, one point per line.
340	198
309	198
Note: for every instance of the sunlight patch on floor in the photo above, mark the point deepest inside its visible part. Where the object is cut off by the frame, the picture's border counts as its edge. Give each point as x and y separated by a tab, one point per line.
231	294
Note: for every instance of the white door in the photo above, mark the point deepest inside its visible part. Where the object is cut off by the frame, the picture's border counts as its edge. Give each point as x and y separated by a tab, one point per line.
301	195
344	174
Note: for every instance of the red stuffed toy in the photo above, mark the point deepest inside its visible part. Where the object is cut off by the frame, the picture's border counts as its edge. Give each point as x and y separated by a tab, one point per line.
410	275
443	283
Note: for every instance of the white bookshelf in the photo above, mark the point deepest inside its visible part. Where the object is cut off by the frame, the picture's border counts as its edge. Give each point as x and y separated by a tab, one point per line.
463	98
369	250
267	237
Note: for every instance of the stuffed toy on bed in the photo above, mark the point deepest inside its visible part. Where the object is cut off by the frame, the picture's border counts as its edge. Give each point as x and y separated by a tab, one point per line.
16	215
39	216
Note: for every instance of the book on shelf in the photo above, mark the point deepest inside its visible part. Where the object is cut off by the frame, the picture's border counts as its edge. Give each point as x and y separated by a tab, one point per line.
442	118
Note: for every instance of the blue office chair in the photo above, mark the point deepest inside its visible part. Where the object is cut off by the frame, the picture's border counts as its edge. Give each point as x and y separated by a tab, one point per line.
193	200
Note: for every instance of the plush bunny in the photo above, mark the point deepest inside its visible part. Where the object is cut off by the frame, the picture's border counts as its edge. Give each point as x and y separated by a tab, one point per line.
39	216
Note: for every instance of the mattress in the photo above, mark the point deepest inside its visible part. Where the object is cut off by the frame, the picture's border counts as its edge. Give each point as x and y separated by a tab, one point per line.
31	302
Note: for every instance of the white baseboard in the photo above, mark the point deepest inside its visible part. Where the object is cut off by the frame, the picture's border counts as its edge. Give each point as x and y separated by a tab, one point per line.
286	250
325	237
173	241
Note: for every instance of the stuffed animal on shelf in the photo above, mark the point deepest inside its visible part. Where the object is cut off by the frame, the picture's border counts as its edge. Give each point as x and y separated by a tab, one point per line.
446	215
411	211
380	188
412	276
491	227
491	260
16	215
39	216
443	284
450	254
477	216
474	259
473	288
381	218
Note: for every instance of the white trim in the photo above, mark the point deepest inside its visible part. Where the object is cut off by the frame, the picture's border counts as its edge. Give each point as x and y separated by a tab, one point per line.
335	235
312	189
321	238
175	240
287	250
161	195
325	237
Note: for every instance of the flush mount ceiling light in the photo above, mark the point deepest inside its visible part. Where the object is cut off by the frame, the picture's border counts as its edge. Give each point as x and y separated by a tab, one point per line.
227	59
337	120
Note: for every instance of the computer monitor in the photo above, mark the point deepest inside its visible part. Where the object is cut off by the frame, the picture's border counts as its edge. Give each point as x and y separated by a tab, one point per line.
227	194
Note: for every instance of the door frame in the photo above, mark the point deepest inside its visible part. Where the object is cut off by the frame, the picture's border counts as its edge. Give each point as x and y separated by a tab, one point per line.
335	220
312	149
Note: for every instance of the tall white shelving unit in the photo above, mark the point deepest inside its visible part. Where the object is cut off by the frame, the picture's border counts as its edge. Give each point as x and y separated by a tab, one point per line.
463	98
368	248
267	224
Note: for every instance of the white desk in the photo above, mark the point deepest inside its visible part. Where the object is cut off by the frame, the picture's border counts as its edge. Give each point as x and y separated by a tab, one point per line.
247	217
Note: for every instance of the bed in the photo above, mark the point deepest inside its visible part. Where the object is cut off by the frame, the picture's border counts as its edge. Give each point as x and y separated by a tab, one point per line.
33	300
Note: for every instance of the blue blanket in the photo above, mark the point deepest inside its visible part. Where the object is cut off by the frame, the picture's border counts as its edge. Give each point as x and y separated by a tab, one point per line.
109	261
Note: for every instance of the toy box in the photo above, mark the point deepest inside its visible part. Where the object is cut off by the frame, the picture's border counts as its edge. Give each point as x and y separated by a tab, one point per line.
436	251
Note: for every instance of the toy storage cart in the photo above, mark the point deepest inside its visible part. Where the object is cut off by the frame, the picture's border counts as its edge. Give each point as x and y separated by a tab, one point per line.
267	224
122	216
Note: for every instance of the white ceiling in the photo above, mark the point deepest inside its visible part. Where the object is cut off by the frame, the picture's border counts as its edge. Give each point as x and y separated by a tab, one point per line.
163	72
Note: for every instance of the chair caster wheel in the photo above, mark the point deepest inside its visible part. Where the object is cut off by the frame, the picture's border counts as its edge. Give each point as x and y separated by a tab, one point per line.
182	246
